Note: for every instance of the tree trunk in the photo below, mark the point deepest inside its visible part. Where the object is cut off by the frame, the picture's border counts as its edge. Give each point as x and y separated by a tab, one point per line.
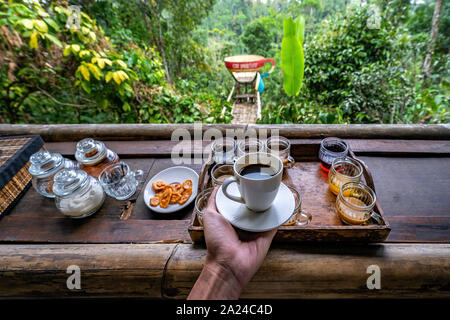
154	12
161	51
434	33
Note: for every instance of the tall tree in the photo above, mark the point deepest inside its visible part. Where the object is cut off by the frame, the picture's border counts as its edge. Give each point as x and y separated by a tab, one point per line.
434	33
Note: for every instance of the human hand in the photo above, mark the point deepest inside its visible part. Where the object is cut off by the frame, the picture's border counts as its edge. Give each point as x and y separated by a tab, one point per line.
232	256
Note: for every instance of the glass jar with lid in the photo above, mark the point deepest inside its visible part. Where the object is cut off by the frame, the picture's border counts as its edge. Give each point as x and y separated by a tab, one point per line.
78	195
44	166
93	156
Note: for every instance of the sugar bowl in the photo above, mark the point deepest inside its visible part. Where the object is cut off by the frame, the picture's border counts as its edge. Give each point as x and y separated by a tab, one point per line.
78	195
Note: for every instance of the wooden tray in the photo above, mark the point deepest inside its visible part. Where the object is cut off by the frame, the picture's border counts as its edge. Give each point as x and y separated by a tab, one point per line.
312	183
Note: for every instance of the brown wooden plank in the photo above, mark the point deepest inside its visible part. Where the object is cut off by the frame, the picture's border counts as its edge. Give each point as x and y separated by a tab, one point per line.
419	229
300	147
63	230
74	132
106	270
327	271
309	148
412	187
388	146
150	148
36	219
357	131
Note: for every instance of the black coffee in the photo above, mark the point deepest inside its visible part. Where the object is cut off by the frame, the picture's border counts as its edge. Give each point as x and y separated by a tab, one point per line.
258	171
336	148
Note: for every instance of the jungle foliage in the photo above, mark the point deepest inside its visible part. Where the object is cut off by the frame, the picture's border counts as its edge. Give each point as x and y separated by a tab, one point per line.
160	61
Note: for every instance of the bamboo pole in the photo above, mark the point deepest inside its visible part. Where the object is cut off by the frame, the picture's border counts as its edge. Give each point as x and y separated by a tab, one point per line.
170	271
74	132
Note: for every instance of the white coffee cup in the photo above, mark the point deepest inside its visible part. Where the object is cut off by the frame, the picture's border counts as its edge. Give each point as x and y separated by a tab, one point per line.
256	194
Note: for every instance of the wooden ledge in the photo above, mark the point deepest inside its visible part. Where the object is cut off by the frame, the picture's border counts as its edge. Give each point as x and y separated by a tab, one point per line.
74	132
170	270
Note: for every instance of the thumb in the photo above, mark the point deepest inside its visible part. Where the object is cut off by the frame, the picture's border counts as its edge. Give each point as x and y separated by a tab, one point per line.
211	206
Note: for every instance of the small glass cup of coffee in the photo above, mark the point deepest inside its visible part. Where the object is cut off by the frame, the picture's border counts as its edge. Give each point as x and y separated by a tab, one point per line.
224	150
281	147
299	217
355	204
343	170
119	181
220	172
249	145
330	149
201	202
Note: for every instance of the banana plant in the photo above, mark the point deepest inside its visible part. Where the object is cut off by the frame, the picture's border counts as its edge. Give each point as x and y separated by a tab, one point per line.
292	58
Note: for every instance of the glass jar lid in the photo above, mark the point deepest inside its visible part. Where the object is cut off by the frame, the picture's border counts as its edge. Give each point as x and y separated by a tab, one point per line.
90	151
67	181
45	163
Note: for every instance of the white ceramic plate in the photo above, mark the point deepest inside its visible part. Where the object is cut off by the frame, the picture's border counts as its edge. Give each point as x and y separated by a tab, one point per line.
241	217
171	175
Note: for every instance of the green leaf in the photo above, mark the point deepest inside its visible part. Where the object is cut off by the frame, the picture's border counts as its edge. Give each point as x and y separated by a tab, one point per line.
108	76
292	59
34	40
52	24
85	72
300	30
94	70
41	12
116	77
121	63
40	25
67	51
86	87
84	53
54	39
126	107
27	23
92	36
75	48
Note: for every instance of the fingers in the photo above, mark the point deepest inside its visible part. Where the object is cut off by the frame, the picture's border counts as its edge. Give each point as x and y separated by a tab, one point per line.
265	240
266	236
211	206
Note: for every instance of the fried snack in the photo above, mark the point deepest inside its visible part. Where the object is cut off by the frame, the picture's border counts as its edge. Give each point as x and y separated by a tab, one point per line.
178	188
166	194
154	201
187	184
185	196
165	197
175	197
158	185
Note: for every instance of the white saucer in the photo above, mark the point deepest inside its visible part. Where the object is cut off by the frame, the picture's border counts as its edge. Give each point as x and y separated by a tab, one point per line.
241	217
169	176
